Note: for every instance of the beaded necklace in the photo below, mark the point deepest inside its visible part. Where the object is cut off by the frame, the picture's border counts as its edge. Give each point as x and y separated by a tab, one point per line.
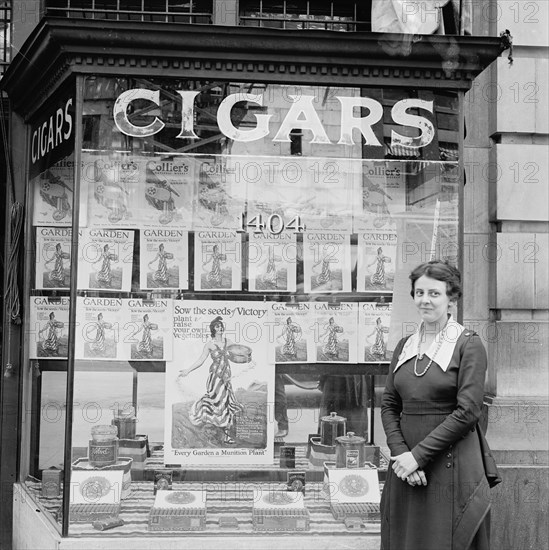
420	356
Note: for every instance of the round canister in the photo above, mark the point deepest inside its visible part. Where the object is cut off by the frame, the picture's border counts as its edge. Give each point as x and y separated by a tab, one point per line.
103	447
350	451
103	453
332	427
125	422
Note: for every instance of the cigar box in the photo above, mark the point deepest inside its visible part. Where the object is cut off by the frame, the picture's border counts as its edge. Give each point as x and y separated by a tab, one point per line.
95	495
280	511
354	493
178	511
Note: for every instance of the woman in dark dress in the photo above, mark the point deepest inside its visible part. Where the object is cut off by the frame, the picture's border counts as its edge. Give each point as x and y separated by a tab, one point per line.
436	496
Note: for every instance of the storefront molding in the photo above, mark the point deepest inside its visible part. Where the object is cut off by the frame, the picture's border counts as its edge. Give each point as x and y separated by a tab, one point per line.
200	51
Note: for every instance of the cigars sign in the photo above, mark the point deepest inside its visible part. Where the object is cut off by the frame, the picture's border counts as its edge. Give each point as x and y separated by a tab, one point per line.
357	116
52	134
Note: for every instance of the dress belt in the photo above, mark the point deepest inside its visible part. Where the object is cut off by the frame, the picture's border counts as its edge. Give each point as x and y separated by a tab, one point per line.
429	407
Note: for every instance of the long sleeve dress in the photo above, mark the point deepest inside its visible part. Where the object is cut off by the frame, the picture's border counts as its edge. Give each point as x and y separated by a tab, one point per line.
219	405
435	417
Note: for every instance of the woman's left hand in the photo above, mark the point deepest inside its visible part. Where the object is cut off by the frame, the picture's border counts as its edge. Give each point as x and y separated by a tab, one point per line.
404	464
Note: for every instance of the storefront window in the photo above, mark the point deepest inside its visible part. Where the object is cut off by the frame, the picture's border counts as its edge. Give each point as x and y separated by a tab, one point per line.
242	263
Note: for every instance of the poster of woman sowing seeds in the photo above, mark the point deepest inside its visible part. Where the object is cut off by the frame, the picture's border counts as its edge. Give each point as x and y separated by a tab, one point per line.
220	388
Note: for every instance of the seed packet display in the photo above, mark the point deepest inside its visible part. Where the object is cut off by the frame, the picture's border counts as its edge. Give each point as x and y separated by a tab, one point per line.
294	332
220	385
164	259
49	322
114	184
335	327
98	325
327	262
105	259
53	195
381	196
376	259
147	331
221	195
272	262
217	260
168	193
53	258
374	321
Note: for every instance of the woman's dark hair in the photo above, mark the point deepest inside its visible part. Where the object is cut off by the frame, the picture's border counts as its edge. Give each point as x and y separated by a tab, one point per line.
217	320
441	271
379	250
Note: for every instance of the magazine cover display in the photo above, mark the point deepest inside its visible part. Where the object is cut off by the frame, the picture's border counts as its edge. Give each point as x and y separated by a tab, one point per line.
49	321
335	327
169	192
381	196
105	259
148	329
294	332
220	196
114	185
272	262
163	259
374	322
327	262
53	258
53	195
98	329
376	260
217	260
220	387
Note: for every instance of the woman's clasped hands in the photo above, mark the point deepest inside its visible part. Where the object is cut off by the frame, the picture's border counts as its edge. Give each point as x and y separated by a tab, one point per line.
406	468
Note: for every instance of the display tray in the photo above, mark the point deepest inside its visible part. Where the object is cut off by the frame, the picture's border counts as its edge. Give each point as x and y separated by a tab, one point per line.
259	473
225	501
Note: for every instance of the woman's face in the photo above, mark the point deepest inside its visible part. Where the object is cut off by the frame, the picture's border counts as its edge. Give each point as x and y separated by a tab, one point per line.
219	329
431	300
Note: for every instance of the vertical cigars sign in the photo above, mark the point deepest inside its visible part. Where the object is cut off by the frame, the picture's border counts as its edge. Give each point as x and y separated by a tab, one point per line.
51	162
52	133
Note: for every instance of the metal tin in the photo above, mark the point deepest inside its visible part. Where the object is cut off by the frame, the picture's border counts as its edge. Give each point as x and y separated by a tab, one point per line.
51	483
350	451
332	427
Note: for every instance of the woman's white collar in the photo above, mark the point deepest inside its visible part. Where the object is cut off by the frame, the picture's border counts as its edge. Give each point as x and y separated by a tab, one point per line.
449	334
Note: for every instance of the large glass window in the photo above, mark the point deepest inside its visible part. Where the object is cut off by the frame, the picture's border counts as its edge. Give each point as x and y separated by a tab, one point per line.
242	263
